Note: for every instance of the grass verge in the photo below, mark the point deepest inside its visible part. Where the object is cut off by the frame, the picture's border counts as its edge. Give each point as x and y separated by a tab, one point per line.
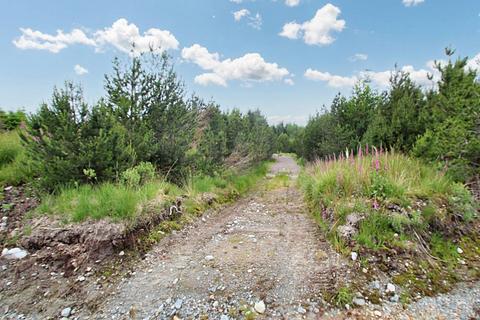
122	203
14	167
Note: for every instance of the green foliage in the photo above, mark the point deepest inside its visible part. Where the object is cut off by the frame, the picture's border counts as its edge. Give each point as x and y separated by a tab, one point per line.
444	249
138	175
68	137
11	120
395	194
144	117
15	167
343	296
106	200
289	138
10	147
440	126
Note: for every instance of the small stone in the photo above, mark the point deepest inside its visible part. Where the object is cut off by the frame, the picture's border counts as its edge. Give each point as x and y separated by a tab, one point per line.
81	278
178	304
395	298
14	254
260	307
354	256
390	287
122	253
301	310
175	281
215	304
168	301
377	313
66	312
459	250
359	302
224	317
209	258
364	270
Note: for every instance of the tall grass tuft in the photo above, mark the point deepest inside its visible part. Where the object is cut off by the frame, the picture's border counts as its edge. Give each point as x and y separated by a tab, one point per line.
394	194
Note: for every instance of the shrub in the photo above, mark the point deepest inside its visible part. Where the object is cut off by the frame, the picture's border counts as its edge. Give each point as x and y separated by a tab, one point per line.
138	175
68	137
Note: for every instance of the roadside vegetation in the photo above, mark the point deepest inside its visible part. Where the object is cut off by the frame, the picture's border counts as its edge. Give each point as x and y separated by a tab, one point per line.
144	154
393	180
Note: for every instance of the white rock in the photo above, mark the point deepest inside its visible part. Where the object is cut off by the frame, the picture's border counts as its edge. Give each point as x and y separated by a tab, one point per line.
390	287
122	253
260	307
81	278
301	310
224	317
66	312
209	258
377	313
178	304
14	254
175	281
459	250
359	301
354	256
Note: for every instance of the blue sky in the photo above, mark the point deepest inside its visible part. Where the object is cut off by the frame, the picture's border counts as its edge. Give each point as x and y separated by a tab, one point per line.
286	60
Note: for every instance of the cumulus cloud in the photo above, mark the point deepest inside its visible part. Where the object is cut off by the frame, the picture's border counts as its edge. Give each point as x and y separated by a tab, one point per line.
249	68
358	57
289	81
410	3
292	3
424	77
121	35
318	30
80	70
238	15
32	39
332	80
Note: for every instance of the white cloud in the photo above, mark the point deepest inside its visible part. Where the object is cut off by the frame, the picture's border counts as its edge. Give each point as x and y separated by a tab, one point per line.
253	21
238	15
379	79
358	57
121	35
256	21
289	81
32	39
291	30
292	3
410	3
332	80
80	70
318	30
249	68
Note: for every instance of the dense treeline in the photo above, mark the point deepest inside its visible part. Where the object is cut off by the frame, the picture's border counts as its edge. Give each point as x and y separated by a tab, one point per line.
144	117
440	125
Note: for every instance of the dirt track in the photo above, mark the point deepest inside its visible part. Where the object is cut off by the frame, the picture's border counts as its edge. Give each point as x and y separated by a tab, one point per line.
263	248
